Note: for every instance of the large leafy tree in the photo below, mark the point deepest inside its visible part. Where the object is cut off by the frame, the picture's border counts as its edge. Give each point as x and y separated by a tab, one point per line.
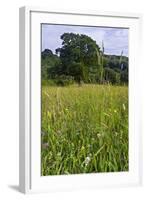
78	54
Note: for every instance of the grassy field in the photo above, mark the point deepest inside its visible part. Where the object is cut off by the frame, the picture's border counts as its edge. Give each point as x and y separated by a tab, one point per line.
84	129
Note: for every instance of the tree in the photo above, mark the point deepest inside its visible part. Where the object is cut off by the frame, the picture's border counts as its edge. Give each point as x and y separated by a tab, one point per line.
78	54
78	71
48	62
80	59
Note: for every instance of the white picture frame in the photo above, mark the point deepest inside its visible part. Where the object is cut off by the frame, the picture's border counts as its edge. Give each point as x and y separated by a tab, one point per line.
29	161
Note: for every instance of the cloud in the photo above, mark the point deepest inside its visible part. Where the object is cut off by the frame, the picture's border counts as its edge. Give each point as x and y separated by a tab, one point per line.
115	39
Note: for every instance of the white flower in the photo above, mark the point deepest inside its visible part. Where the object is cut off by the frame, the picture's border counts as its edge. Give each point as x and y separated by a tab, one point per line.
87	160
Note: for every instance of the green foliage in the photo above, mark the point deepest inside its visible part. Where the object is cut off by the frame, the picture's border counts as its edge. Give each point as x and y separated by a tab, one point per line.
124	76
77	54
114	62
64	80
111	76
84	129
48	62
78	71
82	59
78	48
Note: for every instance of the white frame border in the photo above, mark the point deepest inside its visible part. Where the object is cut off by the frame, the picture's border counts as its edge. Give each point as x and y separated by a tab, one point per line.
25	96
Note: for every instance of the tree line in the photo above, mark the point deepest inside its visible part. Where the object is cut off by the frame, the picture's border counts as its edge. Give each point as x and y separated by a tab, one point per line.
81	60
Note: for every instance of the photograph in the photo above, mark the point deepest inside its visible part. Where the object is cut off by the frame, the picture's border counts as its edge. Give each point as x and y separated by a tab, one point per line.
84	99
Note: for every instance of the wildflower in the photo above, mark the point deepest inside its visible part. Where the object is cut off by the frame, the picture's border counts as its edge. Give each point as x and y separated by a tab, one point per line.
87	160
124	108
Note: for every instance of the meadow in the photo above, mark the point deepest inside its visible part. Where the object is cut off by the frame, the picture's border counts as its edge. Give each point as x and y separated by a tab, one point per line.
84	129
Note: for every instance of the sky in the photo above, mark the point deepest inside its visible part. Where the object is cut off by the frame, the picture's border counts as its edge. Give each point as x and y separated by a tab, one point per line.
115	39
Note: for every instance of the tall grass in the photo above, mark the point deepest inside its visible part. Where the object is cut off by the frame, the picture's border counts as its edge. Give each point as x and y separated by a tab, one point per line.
84	129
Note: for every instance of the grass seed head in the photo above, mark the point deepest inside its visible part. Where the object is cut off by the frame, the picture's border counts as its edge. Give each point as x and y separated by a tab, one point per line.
124	108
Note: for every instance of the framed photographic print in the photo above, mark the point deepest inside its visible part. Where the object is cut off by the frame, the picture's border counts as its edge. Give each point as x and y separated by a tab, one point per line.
79	100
